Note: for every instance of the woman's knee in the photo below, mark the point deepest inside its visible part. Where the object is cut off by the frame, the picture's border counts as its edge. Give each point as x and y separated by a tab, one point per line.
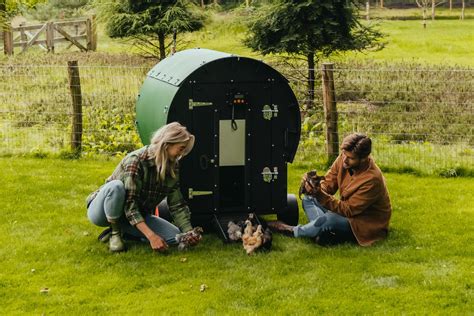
116	188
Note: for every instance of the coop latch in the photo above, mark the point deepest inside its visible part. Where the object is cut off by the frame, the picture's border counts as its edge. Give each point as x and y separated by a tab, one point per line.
193	104
268	175
192	193
268	112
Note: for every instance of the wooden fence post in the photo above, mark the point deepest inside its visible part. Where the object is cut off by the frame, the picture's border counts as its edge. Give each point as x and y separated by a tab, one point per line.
330	112
91	31
23	38
50	37
75	88
8	40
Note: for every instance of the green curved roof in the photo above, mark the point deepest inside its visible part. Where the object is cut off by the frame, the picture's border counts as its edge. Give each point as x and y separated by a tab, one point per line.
179	66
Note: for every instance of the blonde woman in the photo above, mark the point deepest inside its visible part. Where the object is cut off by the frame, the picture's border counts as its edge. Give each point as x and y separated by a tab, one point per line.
139	183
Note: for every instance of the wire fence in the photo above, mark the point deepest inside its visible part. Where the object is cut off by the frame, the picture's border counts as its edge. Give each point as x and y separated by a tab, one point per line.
420	119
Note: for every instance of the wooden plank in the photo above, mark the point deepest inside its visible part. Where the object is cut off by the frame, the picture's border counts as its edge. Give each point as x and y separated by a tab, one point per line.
81	35
34	37
67	23
27	27
56	40
36	42
70	38
62	39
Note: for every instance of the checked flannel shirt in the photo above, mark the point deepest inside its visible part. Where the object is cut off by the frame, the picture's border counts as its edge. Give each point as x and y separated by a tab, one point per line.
144	190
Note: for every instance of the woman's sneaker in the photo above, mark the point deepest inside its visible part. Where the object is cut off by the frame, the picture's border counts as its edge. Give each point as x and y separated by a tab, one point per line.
105	235
116	243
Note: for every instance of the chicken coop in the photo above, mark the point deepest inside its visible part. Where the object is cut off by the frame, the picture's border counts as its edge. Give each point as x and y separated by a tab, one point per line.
246	121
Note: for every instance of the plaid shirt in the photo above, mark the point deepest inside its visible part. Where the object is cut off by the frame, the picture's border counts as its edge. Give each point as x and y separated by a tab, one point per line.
144	190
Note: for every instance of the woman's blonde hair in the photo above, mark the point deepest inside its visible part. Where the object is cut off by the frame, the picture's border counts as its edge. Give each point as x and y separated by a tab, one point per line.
163	138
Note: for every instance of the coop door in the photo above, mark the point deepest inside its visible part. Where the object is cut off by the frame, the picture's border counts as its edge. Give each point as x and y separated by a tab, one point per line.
202	186
265	145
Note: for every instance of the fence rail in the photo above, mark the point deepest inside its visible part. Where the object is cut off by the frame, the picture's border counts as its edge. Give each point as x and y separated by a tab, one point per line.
421	119
45	35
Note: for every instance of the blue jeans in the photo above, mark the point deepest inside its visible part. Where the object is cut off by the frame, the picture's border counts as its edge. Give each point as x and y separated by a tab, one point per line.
329	226
108	206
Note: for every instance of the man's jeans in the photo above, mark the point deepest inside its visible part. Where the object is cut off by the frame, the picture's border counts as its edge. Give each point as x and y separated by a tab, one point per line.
330	226
109	205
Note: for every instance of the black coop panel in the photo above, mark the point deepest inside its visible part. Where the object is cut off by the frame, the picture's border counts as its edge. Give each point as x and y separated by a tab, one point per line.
246	120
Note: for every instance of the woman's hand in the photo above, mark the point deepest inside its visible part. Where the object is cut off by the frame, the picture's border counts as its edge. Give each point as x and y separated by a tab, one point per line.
157	243
194	239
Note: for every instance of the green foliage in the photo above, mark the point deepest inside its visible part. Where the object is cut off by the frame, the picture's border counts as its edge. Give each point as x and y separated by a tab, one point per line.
47	242
149	20
14	7
114	131
308	27
54	9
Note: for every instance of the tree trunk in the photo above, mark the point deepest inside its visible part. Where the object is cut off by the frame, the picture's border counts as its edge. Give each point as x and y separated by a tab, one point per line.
450	5
202	3
173	48
424	17
381	4
367	11
463	3
330	112
161	42
310	84
433	5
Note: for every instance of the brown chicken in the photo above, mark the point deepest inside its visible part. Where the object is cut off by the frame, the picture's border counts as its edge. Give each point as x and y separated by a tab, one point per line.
252	240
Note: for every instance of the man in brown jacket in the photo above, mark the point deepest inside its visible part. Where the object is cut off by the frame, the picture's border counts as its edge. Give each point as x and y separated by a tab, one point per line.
362	213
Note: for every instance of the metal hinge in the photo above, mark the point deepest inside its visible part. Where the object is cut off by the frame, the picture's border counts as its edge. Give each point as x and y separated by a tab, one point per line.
192	193
193	104
268	112
268	175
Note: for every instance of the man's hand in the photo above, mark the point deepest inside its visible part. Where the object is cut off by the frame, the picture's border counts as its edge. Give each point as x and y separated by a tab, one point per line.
157	243
309	188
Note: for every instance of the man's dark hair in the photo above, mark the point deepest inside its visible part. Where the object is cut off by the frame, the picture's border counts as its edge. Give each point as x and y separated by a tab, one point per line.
359	144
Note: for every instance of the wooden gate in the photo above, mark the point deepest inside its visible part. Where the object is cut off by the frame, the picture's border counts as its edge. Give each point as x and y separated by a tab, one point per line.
47	34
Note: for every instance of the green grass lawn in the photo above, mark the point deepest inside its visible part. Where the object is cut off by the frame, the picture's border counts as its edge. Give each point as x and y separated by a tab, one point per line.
443	42
425	266
446	41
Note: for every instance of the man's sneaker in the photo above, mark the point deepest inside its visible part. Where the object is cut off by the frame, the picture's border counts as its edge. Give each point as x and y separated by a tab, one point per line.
105	235
281	227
